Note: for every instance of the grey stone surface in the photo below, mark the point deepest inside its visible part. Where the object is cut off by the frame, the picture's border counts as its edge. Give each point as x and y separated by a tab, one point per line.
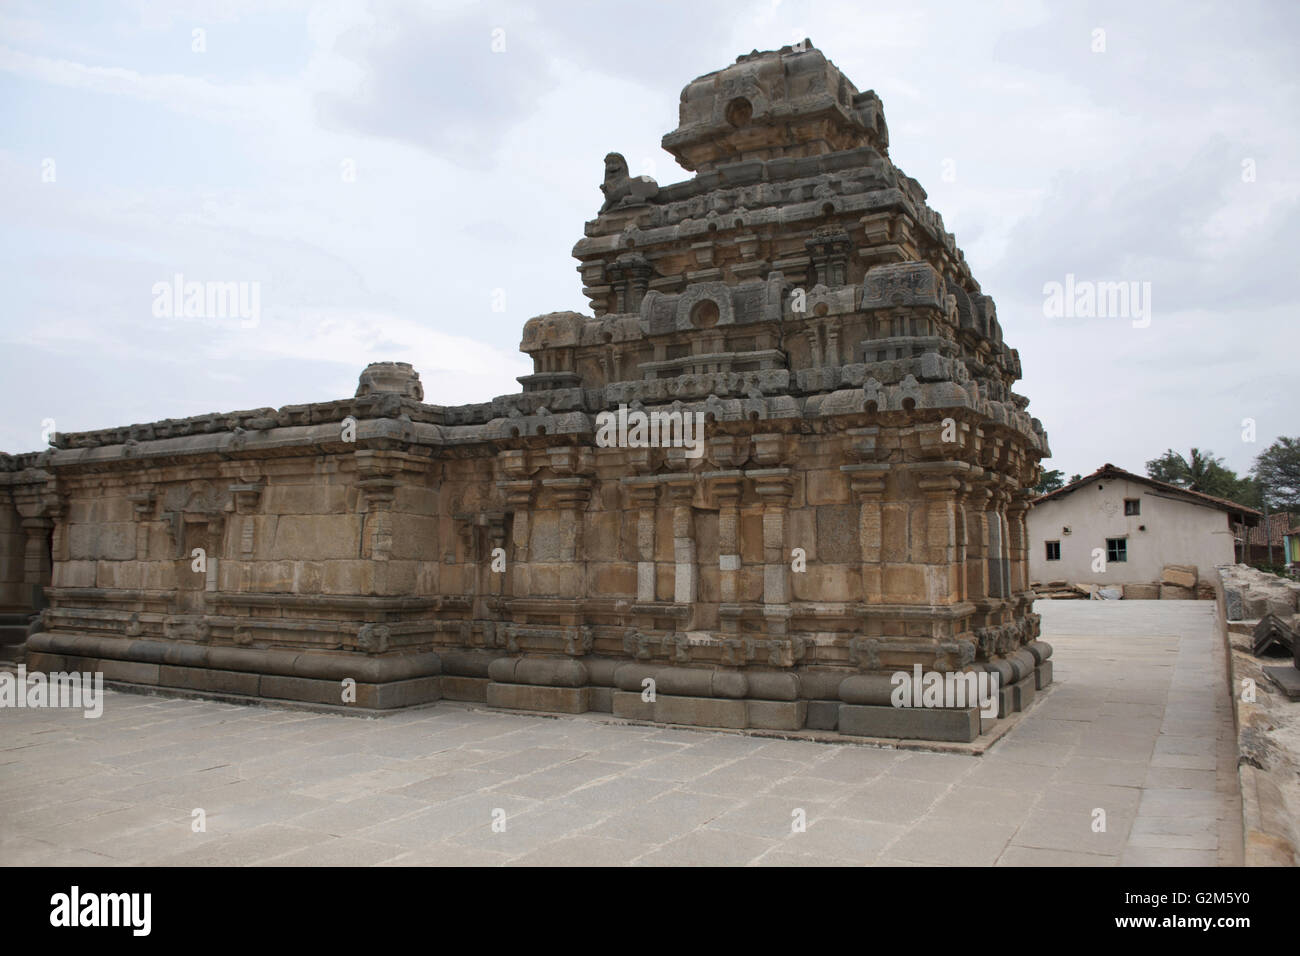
1136	725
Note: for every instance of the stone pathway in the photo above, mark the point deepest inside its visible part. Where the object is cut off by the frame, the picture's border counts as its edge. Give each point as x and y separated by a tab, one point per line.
1138	725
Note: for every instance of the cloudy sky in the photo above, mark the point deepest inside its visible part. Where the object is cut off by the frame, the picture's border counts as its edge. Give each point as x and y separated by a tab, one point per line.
405	181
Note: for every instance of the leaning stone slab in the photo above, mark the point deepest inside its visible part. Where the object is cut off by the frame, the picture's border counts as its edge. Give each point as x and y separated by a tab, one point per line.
1184	576
1286	677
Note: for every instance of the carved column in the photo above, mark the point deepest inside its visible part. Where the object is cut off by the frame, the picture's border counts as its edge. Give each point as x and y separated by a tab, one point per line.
494	583
867	482
976	507
774	489
630	275
247	495
814	346
643	494
1017	510
216	532
571	496
829	250
963	543
378	491
681	491
142	503
36	556
997	554
725	488
518	488
519	503
940	484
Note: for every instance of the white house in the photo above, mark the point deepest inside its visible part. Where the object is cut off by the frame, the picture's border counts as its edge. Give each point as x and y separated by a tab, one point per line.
1137	524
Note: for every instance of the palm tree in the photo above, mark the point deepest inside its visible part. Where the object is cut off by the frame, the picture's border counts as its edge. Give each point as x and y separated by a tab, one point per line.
1202	471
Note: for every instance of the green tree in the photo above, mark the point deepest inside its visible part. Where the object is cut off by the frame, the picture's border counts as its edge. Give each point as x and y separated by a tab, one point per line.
1250	493
1050	481
1277	469
1074	478
1203	472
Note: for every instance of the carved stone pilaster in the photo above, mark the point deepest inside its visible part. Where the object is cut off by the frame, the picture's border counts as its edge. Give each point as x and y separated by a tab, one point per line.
829	251
36	555
774	488
729	451
376	472
725	490
643	493
941	484
630	276
867	482
519	502
247	496
769	449
975	504
814	345
1017	510
681	492
998	554
571	497
142	503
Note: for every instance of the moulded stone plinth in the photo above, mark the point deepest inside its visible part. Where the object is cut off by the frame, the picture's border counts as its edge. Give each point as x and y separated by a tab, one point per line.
1023	691
465	688
1043	675
910	723
823	714
558	700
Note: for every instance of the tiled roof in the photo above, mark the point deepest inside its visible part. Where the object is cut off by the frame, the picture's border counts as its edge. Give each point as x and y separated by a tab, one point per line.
1279	524
1109	471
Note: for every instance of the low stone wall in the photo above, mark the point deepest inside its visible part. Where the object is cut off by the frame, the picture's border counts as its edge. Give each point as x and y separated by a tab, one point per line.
1249	594
1267	725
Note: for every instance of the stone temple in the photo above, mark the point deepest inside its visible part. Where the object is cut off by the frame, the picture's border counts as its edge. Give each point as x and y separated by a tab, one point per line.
855	505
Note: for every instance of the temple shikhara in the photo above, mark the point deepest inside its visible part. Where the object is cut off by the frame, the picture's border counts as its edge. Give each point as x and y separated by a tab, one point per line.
857	508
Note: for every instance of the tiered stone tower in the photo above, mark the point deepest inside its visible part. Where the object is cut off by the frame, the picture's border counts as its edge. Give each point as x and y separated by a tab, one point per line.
857	509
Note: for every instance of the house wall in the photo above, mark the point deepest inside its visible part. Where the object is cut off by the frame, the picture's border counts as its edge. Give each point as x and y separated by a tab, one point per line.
1177	532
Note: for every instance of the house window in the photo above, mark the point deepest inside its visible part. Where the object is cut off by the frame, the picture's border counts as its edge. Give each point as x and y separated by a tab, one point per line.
1132	506
1053	551
1116	549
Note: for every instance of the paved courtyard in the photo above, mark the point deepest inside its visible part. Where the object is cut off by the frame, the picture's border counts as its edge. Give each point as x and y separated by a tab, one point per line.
1138	725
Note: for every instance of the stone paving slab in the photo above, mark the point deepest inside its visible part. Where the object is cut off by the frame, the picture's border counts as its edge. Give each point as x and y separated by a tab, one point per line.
1137	728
